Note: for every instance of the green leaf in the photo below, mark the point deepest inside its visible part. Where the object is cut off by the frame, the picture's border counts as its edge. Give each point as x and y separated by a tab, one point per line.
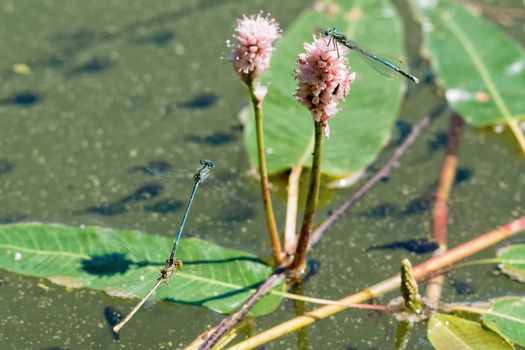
363	125
86	257
507	317
482	68
447	332
513	261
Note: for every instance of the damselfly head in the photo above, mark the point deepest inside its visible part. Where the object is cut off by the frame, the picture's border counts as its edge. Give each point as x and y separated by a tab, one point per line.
330	31
207	163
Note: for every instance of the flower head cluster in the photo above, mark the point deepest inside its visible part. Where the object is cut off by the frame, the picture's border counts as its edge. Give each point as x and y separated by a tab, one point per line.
323	80
255	36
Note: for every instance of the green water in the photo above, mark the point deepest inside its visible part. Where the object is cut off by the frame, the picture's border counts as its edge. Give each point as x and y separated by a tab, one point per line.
117	84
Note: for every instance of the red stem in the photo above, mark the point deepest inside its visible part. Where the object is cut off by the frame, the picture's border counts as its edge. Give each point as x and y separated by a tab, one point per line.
440	211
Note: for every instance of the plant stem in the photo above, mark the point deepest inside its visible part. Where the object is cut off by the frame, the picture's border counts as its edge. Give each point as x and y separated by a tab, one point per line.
403	331
300	309
290	238
263	173
440	211
409	289
421	271
482	262
299	262
322	301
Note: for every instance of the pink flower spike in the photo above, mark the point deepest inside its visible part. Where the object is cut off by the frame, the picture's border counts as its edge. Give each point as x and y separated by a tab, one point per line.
255	36
324	79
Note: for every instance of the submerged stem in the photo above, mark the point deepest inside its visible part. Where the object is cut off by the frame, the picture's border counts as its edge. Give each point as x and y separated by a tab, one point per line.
263	173
289	237
440	211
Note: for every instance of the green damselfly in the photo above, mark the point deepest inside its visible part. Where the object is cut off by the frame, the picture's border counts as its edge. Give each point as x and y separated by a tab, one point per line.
382	65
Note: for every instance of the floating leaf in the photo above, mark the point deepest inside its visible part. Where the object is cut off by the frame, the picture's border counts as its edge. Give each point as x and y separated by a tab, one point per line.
507	317
447	332
78	257
363	126
513	261
482	68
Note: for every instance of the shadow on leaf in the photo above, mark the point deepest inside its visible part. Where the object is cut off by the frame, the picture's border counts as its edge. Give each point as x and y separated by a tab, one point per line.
111	264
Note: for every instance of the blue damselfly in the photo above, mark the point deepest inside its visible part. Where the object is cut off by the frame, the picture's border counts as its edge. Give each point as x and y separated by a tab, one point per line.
172	264
384	66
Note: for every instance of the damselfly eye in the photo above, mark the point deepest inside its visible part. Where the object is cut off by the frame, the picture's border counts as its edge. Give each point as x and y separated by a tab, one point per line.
330	31
207	163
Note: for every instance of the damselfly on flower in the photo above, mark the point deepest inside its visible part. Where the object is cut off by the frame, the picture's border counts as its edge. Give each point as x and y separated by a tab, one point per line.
384	66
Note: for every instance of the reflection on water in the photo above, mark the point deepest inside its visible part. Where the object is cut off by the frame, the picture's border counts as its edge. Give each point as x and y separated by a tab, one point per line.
113	317
216	139
11	218
25	98
159	37
417	246
152	168
93	65
438	142
463	175
165	206
6	166
403	129
381	211
144	192
201	101
461	287
109	209
120	206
